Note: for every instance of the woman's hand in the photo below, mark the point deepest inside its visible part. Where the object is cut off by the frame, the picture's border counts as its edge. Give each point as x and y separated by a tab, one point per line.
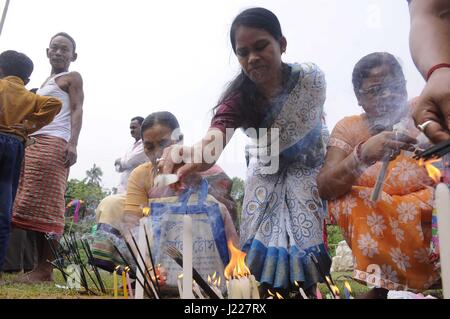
182	160
385	145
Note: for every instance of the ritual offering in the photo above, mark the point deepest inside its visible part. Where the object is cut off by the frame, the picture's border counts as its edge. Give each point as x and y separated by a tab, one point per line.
193	226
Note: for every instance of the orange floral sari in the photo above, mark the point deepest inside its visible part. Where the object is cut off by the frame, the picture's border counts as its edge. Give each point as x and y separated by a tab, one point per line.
390	238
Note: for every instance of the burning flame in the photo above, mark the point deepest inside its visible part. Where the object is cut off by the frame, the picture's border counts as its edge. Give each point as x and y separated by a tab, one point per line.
336	290
347	285
270	293
236	267
328	280
279	296
433	172
145	211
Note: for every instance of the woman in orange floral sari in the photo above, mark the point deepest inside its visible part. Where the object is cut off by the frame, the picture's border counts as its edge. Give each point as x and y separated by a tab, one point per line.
390	237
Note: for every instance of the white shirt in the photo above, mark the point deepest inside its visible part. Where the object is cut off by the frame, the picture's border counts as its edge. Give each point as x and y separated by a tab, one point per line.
134	157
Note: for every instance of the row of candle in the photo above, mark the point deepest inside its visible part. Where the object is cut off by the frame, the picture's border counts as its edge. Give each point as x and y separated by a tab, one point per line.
126	283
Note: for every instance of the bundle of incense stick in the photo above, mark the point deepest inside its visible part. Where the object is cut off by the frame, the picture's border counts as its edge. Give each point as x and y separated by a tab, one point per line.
70	254
152	281
322	274
176	255
437	151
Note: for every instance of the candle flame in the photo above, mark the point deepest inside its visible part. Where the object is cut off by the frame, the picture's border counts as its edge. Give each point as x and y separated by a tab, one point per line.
335	290
219	281
432	171
209	279
236	267
214	275
296	284
146	211
279	296
347	285
328	280
180	276
270	293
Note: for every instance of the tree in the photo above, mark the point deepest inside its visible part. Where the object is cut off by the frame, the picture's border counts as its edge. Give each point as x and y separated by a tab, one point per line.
237	193
238	189
94	175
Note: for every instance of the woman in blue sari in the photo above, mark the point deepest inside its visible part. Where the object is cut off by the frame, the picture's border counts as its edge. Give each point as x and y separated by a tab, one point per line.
280	107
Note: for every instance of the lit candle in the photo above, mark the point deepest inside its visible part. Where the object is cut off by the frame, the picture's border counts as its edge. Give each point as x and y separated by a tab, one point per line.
187	257
180	285
124	285
443	218
130	290
215	286
254	288
235	290
347	291
318	293
197	290
115	282
245	286
336	292
303	294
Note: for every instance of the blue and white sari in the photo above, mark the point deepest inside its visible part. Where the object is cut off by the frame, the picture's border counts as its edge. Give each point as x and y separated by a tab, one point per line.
282	216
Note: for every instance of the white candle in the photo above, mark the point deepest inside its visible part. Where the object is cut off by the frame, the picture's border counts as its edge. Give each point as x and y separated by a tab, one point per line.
235	290
197	290
443	219
254	288
187	257
180	285
245	287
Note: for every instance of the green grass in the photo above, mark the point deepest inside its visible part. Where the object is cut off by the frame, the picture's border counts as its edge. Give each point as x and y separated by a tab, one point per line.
11	290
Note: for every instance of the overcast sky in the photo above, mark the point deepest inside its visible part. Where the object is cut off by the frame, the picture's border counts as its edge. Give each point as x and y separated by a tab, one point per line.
137	57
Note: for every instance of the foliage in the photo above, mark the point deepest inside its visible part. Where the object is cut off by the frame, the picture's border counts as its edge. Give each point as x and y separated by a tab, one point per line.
237	193
91	193
94	175
334	237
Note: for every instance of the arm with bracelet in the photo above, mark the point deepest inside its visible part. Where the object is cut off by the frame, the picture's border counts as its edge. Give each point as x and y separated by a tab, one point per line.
430	50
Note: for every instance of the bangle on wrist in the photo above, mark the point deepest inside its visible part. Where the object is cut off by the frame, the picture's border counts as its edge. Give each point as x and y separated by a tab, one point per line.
362	166
436	67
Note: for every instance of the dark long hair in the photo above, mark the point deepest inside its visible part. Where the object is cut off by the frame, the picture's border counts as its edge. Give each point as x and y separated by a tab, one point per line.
251	101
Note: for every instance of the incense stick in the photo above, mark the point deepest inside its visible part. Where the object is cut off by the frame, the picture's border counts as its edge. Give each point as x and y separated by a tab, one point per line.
144	285
145	266
380	180
151	258
176	255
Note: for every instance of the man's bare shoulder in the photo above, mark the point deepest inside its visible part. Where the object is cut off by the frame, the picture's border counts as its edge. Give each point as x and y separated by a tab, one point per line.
74	77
